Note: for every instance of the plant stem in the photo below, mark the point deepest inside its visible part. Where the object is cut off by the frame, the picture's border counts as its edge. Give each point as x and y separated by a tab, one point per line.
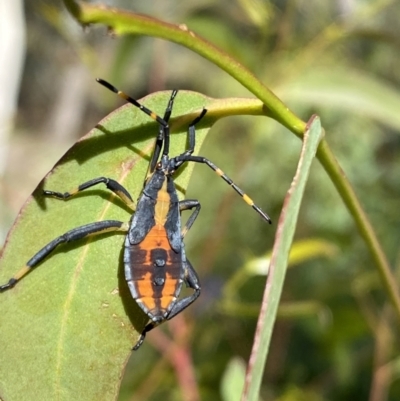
339	179
123	22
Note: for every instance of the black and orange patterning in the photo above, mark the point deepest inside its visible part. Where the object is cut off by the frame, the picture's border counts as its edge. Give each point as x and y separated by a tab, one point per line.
154	256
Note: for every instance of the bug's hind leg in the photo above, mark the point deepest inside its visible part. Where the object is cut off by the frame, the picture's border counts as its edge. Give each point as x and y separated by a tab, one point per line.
189	204
72	235
192	280
147	328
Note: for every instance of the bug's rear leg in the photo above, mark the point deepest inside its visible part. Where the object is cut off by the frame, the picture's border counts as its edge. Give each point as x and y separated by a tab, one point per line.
189	204
192	280
72	235
111	184
148	327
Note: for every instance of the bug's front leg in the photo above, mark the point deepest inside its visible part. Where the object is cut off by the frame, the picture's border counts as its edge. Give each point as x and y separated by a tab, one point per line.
111	184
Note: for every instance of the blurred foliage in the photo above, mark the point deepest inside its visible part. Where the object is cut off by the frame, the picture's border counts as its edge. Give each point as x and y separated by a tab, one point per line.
338	59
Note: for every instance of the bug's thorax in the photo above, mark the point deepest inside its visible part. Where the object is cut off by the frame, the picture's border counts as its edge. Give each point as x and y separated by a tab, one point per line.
162	204
162	174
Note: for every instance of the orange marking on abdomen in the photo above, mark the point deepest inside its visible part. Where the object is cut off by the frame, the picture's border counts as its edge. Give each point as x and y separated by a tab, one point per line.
156	238
149	303
169	286
156	298
169	291
146	293
145	287
166	302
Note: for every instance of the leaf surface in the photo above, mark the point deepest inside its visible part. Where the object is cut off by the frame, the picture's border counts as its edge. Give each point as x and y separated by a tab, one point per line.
67	328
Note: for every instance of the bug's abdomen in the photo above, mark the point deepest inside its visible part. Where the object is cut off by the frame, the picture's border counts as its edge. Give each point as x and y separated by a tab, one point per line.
153	272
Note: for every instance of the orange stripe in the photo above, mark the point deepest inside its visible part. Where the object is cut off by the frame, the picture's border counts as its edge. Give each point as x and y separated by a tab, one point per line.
149	303
145	287
156	238
166	302
169	286
169	290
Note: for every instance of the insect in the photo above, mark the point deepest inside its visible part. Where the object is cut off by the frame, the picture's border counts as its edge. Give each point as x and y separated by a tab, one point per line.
155	262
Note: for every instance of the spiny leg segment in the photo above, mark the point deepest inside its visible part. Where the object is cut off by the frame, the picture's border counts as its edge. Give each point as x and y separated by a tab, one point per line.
191	280
75	234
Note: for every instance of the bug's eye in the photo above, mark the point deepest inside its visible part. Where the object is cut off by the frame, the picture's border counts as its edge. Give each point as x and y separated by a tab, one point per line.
158	165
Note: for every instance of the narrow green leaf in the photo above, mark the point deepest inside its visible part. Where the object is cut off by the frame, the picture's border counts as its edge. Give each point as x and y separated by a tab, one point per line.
67	328
279	261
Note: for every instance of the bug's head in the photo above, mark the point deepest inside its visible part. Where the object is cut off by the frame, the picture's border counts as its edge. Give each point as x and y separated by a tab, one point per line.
164	165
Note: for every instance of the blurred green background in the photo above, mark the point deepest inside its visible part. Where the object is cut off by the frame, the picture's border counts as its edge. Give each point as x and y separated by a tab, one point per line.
336	337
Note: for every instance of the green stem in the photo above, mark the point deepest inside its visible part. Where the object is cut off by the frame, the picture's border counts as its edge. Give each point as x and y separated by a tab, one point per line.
123	22
339	179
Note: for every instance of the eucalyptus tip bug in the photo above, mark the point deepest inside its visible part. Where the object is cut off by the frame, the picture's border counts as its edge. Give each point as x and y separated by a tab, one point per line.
155	262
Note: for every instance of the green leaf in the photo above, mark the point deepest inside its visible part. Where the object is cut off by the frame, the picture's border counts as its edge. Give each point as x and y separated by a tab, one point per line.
279	261
67	327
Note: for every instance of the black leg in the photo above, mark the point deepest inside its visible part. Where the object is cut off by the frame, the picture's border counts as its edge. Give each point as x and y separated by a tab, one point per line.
192	132
163	134
179	160
148	327
199	159
72	235
187	157
192	281
111	184
189	204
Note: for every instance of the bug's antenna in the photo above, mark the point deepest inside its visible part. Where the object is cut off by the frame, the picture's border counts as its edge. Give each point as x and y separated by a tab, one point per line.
133	101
